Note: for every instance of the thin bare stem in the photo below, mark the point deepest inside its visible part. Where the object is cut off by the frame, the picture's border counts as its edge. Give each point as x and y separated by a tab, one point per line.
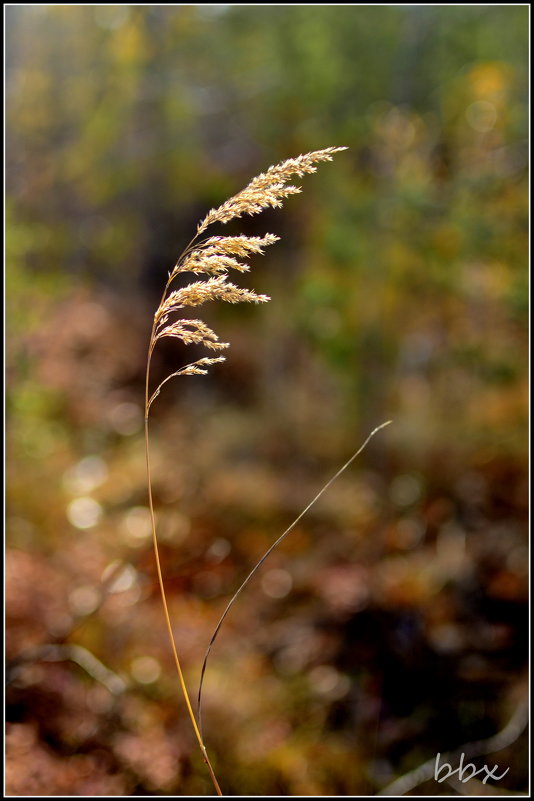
159	571
264	557
158	389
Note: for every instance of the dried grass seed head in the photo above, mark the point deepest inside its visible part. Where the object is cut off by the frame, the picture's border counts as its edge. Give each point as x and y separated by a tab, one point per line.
215	256
269	188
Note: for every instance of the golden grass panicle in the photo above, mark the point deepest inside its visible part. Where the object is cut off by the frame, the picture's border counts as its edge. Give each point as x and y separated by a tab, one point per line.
268	189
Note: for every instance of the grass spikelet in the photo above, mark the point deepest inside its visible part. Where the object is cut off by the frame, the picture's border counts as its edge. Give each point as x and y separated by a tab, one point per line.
269	188
215	257
238	245
202	291
193	332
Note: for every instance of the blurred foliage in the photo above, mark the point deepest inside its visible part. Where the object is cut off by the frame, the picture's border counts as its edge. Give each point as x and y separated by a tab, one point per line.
392	624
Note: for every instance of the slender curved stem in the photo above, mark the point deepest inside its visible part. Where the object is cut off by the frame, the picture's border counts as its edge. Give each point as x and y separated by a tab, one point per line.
264	557
158	563
158	390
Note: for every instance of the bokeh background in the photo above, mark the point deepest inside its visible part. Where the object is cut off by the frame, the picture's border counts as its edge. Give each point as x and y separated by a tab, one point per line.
392	624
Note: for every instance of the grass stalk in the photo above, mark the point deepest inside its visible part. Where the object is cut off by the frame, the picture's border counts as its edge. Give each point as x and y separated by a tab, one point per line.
214	256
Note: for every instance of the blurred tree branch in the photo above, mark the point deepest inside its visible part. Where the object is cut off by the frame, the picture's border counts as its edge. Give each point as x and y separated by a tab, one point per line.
71	653
506	737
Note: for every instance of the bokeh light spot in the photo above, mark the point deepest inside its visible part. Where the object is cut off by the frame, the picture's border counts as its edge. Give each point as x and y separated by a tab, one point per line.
84	512
84	600
405	489
86	475
481	116
136	526
326	680
125	418
145	669
276	583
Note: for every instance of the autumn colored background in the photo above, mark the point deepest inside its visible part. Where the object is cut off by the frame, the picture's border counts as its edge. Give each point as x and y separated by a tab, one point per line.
392	624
